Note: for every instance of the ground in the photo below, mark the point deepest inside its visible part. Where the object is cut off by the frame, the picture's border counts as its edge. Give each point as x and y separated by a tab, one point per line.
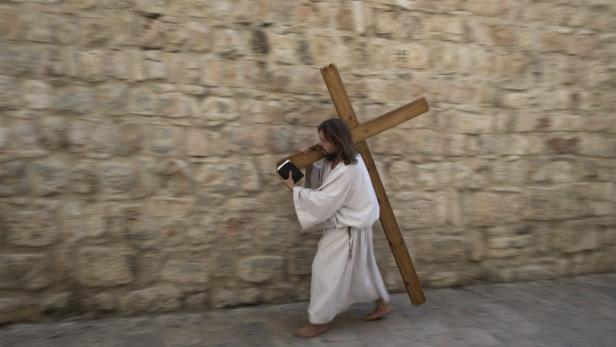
576	311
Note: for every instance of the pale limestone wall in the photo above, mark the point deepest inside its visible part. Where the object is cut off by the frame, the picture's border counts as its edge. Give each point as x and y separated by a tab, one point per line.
138	137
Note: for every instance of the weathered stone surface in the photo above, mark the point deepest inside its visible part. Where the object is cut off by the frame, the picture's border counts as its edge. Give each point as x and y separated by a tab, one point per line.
113	98
186	271
216	111
578	236
34	228
13	178
75	99
84	178
418	210
213	176
94	140
505	241
57	303
168	207
204	143
19	309
260	268
16	60
104	266
100	302
24	271
300	261
485	208
196	302
118	177
81	221
162	298
36	94
224	298
10	97
164	140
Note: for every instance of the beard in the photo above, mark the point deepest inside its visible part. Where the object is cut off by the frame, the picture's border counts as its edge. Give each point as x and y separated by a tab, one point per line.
331	156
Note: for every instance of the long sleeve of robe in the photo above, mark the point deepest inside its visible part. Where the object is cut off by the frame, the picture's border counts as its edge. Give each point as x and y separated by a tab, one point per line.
344	270
344	198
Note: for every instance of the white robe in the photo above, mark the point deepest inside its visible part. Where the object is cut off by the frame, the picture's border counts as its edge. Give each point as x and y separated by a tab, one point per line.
344	270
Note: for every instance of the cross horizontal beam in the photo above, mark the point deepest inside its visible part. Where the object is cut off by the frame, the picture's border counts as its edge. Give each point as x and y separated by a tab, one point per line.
367	130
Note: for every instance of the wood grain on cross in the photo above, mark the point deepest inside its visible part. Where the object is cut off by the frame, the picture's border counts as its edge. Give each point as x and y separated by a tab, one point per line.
360	133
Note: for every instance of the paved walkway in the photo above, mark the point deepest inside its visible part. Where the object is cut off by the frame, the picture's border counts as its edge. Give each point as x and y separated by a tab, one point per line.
579	311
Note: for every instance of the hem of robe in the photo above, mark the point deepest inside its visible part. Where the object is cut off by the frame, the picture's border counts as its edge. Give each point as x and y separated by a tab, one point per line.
361	247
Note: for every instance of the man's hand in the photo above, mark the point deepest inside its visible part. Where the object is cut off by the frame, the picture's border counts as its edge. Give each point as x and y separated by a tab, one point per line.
289	183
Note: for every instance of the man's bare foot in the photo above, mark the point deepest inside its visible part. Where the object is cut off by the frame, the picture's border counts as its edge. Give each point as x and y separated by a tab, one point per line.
312	330
381	311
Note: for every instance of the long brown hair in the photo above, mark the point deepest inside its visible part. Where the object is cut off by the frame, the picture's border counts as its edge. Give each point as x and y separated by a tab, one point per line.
335	131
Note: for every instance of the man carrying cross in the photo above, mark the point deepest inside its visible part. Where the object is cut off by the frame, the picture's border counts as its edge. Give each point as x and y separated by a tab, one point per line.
339	195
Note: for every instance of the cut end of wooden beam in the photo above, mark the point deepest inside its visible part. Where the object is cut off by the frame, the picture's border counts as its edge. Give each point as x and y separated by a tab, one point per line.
329	66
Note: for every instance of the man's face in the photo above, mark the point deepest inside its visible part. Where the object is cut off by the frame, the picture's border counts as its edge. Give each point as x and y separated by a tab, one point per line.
327	148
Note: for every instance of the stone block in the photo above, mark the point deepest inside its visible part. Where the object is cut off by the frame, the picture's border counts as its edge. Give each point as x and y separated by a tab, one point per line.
300	261
161	298
105	266
94	31
204	143
213	176
11	98
168	207
400	175
469	123
598	146
31	228
49	176
83	221
504	242
119	177
260	268
142	100
57	303
488	208
10	23
36	94
25	271
130	139
578	236
113	98
418	210
125	64
409	56
14	179
449	249
93	139
19	309
510	171
75	99
100	302
163	140
84	178
469	174
92	65
217	111
21	60
186	271
196	302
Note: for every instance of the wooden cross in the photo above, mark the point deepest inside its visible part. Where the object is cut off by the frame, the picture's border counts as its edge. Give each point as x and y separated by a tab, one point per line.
360	133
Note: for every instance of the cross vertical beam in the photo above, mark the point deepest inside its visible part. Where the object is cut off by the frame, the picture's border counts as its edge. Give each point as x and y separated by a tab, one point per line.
388	220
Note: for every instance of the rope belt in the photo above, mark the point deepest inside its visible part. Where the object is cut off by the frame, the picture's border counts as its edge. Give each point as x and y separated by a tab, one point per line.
350	242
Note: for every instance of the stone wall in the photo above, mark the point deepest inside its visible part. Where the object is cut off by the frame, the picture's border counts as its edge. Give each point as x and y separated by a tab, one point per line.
138	139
